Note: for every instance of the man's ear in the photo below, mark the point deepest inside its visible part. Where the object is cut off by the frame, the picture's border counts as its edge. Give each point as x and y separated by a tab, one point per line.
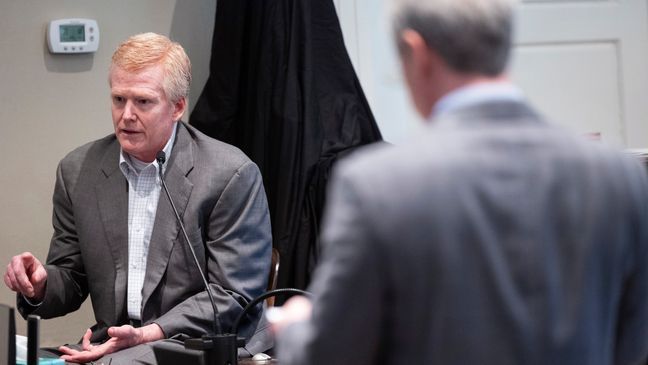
179	108
420	70
417	54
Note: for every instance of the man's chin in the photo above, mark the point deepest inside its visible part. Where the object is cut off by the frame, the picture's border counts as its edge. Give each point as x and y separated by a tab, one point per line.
130	144
134	152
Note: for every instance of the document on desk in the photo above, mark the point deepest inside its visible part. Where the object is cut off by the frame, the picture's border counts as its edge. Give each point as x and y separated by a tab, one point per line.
43	361
21	354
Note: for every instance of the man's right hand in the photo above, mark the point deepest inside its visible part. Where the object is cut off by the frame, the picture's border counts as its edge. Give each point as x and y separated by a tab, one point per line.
27	276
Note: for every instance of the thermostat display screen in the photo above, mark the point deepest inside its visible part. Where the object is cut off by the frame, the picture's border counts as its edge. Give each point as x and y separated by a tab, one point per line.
72	33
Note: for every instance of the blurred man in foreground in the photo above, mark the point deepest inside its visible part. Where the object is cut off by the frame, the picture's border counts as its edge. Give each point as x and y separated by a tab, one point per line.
493	238
116	237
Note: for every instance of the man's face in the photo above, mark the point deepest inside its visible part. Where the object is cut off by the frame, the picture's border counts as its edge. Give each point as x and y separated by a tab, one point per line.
142	115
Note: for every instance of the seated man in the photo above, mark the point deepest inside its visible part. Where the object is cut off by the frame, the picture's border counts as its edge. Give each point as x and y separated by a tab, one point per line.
493	237
116	237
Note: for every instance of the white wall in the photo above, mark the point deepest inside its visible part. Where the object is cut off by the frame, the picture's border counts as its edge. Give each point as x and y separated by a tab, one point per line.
368	39
582	63
50	104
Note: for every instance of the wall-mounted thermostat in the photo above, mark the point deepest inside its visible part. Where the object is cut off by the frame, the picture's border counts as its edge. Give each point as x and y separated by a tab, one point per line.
74	35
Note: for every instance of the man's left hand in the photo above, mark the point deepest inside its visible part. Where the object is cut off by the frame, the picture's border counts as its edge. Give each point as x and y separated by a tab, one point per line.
120	338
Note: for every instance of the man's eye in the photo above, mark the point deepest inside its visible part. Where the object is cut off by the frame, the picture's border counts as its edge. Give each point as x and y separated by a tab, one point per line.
143	101
118	99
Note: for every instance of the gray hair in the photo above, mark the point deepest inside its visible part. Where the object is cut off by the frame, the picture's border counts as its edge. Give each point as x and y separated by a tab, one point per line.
471	36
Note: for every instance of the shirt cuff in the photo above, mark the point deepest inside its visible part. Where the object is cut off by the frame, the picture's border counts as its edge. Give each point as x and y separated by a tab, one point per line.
32	303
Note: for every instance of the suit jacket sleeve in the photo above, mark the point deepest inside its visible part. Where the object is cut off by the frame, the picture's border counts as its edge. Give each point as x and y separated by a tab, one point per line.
632	332
66	280
348	289
238	243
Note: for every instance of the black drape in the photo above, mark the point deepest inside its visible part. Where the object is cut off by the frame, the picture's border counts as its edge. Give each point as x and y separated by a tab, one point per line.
282	88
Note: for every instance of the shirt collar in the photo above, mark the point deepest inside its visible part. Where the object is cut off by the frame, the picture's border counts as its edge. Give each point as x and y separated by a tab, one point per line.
129	164
475	94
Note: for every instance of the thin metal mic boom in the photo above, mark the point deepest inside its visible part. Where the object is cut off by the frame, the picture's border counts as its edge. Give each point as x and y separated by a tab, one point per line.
160	157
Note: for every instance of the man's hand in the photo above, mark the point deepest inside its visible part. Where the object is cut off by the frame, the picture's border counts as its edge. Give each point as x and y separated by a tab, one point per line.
27	276
296	309
120	338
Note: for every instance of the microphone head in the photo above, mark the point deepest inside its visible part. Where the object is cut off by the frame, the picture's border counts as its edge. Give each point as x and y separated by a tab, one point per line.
160	157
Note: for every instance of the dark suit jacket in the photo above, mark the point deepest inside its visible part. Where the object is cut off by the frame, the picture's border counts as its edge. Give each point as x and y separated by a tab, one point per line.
494	238
219	194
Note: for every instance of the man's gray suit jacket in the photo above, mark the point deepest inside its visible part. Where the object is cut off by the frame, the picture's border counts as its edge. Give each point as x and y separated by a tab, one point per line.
495	238
219	194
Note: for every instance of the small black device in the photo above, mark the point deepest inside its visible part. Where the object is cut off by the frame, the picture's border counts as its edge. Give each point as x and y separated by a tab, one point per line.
33	340
7	335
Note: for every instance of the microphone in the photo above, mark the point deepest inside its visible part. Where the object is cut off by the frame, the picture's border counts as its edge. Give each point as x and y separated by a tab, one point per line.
219	348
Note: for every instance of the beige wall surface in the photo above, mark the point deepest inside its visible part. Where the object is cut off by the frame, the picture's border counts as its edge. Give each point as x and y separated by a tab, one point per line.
50	104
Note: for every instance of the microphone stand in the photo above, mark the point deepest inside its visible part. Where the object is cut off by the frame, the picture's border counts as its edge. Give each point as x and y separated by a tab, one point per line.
219	348
268	294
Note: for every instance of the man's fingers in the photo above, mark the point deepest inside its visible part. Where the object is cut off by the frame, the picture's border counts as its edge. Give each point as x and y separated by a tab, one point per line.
72	355
12	279
121	331
30	262
67	351
121	337
125	336
80	357
35	269
26	275
18	271
85	342
39	276
20	277
7	280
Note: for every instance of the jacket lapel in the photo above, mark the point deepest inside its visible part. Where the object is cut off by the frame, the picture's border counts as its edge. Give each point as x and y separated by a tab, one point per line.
112	199
166	229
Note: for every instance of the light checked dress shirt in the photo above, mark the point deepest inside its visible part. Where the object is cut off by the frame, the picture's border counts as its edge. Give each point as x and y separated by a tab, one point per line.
143	195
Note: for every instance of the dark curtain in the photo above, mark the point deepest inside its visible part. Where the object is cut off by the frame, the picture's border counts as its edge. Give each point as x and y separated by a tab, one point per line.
282	89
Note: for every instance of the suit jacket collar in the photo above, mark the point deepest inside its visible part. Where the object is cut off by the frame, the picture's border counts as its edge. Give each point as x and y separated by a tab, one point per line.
112	198
166	230
112	201
488	113
478	93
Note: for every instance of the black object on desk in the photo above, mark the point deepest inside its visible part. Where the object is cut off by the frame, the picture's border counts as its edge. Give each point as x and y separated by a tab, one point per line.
7	335
33	341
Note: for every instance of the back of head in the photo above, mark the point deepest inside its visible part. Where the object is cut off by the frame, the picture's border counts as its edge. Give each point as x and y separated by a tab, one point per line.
150	49
472	36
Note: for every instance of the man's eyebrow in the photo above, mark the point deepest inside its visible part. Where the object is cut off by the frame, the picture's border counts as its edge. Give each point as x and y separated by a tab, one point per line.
135	94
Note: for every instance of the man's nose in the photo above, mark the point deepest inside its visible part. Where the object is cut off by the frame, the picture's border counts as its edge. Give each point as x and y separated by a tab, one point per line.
129	111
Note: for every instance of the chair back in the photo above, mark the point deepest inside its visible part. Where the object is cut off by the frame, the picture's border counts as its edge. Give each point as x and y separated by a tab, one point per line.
274	272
